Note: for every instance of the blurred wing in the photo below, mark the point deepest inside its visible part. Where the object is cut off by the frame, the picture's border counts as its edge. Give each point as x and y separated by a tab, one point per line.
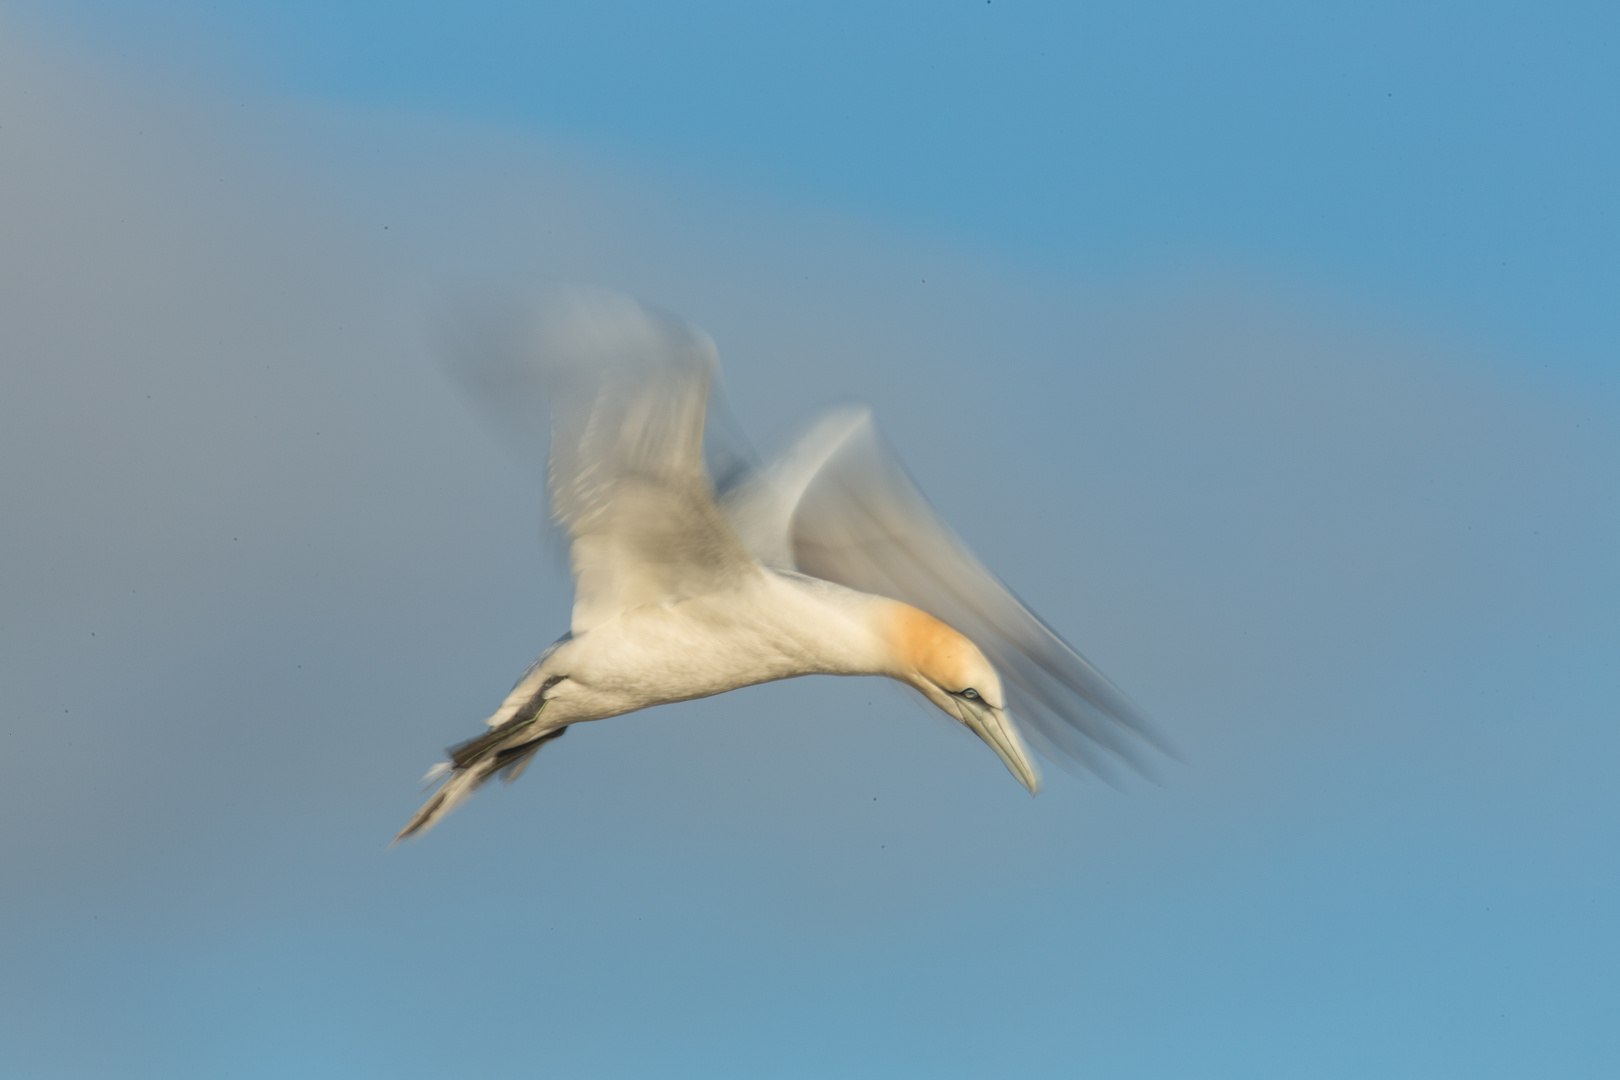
628	389
762	503
842	507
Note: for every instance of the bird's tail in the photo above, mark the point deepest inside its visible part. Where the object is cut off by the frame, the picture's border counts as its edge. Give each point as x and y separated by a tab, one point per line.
507	749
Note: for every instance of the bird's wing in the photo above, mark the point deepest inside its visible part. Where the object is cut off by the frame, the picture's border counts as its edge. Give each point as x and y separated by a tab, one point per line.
629	390
842	508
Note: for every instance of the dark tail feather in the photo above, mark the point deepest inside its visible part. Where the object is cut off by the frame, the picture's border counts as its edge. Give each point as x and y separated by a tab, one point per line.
511	762
504	750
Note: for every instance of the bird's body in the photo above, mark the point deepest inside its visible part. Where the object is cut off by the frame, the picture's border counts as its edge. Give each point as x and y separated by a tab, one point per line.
828	564
770	626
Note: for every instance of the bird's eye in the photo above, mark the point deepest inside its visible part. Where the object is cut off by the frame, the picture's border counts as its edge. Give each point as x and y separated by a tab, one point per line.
971	694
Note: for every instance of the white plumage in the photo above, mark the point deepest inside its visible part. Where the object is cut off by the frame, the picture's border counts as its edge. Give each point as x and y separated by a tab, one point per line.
828	563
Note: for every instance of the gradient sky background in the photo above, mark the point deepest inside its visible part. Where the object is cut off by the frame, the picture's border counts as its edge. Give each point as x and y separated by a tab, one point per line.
1270	352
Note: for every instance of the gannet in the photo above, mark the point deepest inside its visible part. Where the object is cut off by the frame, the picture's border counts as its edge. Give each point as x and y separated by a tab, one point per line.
830	562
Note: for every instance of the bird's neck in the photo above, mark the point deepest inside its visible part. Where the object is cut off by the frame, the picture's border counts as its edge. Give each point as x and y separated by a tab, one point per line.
848	632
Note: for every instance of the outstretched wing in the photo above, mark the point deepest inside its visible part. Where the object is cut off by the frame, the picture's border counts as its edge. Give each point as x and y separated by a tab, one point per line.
629	389
842	508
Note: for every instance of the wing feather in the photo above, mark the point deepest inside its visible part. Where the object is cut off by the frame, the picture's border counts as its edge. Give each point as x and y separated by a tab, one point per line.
628	389
847	512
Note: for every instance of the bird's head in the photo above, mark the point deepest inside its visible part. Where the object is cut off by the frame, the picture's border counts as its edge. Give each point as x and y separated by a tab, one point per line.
952	673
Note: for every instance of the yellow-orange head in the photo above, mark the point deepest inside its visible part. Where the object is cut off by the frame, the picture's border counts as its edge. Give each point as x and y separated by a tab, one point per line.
952	673
926	650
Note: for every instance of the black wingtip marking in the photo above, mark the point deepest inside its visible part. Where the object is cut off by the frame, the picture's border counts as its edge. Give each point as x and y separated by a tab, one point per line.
510	761
465	753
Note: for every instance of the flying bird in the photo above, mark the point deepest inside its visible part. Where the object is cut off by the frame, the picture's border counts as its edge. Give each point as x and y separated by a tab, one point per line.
697	571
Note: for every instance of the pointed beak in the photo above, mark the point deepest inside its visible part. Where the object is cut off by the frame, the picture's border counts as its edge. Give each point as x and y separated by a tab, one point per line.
997	729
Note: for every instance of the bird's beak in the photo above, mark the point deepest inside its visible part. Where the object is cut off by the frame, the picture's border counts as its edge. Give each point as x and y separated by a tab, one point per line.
996	728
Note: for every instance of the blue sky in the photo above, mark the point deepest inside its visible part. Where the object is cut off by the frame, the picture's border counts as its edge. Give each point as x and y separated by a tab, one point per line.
1452	161
1268	352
